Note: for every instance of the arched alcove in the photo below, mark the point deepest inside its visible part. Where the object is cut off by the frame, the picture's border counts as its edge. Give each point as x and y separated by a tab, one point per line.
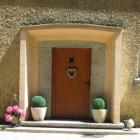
30	39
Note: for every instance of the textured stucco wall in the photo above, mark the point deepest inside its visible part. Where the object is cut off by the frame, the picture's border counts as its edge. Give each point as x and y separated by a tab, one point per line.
45	66
122	13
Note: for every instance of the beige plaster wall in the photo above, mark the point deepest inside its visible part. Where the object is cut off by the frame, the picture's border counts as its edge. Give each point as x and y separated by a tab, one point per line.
122	13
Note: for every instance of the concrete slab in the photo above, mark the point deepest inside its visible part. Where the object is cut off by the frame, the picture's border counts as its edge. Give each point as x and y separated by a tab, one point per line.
6	135
72	124
72	131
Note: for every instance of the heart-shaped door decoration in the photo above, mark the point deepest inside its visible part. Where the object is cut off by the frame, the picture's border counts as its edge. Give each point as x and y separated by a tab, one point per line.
71	72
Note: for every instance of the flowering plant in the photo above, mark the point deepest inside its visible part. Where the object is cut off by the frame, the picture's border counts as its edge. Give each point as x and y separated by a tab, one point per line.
13	112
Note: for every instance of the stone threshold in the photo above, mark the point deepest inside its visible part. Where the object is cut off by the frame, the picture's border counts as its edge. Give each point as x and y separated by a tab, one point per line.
72	124
72	131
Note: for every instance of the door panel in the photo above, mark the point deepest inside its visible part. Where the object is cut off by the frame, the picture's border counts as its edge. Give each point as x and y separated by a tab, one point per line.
71	83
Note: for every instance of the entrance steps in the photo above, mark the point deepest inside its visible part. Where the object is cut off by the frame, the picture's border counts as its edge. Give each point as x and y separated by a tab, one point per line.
80	131
72	127
71	124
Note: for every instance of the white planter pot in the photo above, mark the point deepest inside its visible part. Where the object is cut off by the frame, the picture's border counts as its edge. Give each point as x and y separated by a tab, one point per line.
38	114
99	115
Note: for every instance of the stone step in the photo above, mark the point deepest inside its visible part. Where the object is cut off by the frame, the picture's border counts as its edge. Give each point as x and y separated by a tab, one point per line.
72	131
72	124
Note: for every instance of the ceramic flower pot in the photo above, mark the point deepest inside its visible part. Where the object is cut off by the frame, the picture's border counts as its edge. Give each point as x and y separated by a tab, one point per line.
38	114
15	120
99	115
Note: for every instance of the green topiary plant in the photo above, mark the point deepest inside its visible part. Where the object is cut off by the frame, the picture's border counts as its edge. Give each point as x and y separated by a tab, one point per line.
98	103
38	101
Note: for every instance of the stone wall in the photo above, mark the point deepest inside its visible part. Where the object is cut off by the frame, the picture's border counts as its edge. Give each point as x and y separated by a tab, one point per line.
122	13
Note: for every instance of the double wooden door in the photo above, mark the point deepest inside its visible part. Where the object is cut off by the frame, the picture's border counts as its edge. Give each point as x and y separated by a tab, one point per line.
71	69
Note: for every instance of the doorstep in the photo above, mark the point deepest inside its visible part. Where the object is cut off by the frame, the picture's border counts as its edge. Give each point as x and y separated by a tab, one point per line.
72	124
72	131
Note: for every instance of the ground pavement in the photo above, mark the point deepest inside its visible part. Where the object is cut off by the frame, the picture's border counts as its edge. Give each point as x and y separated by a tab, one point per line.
57	136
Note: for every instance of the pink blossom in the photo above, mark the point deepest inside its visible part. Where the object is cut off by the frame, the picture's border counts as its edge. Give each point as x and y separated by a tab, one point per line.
8	118
15	109
9	110
19	111
22	113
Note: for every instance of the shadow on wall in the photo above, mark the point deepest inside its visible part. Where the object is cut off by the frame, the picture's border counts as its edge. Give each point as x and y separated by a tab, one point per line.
119	5
9	74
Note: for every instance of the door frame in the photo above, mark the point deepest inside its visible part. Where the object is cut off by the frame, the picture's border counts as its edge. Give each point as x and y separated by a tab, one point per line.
30	38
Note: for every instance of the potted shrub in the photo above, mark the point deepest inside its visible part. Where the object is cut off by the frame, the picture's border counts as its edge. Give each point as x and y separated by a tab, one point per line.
99	110
38	108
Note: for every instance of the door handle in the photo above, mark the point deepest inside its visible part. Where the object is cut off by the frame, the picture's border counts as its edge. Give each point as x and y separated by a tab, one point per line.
88	84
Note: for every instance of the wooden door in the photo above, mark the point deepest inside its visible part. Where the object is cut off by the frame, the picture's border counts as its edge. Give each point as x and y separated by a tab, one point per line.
71	83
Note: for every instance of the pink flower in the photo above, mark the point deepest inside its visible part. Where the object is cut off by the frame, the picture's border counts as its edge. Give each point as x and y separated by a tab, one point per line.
9	110
15	109
8	118
22	113
19	111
